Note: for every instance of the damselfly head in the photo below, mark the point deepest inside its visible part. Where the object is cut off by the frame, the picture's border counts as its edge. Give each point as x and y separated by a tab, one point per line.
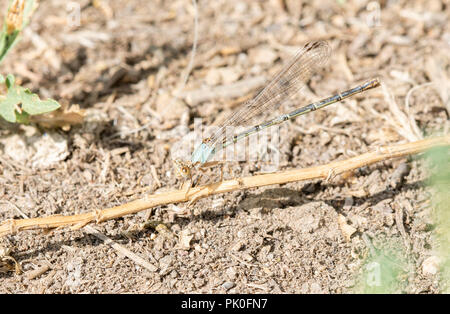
182	168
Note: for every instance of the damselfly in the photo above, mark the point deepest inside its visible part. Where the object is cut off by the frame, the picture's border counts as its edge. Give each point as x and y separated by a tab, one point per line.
283	85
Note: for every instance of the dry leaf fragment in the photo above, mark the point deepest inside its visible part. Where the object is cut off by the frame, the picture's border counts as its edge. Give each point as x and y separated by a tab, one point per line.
5	260
185	239
346	229
15	16
63	118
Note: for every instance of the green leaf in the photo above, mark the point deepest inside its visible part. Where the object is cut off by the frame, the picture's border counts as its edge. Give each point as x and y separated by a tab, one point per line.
10	80
7	109
7	42
32	105
19	103
22	117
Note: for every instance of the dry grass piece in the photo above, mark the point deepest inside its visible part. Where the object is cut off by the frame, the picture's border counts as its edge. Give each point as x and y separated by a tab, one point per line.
319	172
64	118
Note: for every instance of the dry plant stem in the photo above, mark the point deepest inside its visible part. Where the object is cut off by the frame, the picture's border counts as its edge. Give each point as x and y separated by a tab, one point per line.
320	172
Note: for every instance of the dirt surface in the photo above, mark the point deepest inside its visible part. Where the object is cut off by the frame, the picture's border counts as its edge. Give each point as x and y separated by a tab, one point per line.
126	63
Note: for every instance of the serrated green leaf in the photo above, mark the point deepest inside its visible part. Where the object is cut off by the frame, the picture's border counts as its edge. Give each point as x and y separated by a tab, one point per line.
7	108
33	105
19	103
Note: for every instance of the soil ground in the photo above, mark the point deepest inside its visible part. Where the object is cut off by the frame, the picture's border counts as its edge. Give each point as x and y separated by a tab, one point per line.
126	63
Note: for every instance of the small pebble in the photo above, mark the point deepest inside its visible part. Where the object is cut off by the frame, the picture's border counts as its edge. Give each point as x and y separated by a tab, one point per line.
430	266
241	233
227	285
185	239
231	273
247	257
237	247
213	77
229	75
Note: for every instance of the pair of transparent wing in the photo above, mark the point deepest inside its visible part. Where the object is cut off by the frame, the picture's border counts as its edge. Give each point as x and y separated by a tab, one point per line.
292	78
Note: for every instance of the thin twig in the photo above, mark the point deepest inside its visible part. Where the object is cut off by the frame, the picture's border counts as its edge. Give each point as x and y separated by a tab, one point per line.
136	258
91	230
194	47
16	208
320	172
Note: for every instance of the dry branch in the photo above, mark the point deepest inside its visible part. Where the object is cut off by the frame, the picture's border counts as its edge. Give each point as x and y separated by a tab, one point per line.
320	172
